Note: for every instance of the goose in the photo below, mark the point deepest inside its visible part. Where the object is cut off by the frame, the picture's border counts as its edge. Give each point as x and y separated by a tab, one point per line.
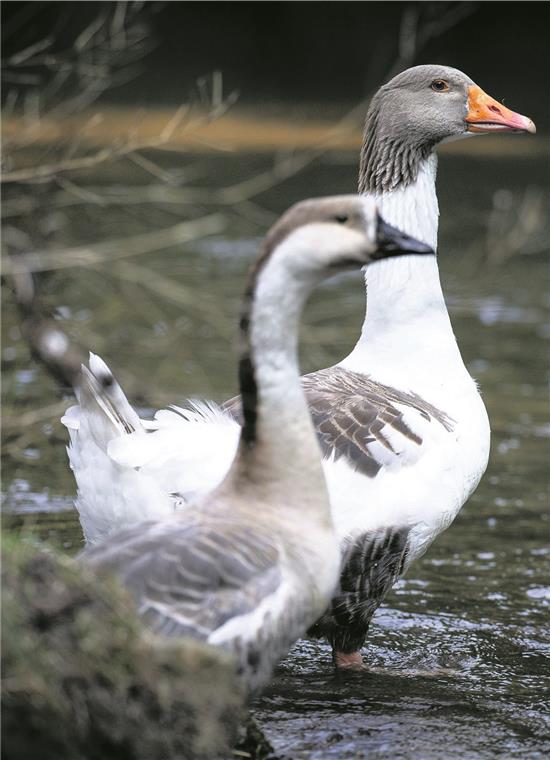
401	423
250	565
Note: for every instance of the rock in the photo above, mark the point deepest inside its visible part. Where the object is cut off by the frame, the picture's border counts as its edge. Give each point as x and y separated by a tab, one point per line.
83	680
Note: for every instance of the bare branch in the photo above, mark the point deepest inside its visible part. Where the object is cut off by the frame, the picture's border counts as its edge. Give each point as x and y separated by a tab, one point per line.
133	245
86	37
443	22
34	416
46	172
115	195
84	195
176	293
126	147
408	32
23	55
517	225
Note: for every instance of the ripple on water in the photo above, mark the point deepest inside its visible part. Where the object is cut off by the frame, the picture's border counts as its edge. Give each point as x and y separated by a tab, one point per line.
541	594
474	686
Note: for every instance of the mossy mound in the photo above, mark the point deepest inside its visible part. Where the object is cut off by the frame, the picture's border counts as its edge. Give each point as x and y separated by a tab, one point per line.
83	681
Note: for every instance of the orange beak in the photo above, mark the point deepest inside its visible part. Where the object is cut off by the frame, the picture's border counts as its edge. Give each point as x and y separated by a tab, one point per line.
488	115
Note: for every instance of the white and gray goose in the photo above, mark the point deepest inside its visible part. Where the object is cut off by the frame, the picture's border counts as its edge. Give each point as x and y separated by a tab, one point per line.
251	565
403	428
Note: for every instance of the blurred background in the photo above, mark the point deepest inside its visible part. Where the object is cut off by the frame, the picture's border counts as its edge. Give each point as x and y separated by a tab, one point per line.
147	147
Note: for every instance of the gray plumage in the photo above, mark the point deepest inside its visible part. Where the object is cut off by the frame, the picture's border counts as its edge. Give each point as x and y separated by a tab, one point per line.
371	564
191	576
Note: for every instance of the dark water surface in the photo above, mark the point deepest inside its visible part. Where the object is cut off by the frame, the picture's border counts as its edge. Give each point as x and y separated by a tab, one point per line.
458	658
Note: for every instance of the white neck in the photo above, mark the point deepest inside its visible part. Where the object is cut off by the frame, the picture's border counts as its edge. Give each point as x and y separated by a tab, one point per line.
285	451
406	324
414	208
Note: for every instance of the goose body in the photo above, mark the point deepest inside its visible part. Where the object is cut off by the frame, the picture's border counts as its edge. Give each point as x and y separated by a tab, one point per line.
402	427
250	565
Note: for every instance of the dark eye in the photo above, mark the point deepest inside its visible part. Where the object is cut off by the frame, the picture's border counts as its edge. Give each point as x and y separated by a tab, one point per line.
440	85
341	218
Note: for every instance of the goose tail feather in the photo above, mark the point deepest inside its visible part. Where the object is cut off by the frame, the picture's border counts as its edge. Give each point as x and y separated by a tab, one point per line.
103	404
100	390
110	497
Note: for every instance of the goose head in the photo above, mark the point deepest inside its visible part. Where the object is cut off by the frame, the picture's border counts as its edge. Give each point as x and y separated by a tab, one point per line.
417	110
320	236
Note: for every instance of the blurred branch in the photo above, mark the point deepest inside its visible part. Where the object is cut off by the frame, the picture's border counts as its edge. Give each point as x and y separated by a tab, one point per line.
43	89
517	225
99	59
109	250
176	293
126	147
34	416
109	153
444	20
47	87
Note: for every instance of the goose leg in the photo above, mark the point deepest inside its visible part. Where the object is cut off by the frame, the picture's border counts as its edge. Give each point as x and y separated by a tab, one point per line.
347	642
348	660
345	637
371	564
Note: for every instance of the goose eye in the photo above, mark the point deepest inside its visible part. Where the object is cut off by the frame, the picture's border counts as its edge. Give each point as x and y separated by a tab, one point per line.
341	218
440	85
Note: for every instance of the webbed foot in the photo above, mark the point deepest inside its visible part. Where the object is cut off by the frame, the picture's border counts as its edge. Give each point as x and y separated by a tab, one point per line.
347	660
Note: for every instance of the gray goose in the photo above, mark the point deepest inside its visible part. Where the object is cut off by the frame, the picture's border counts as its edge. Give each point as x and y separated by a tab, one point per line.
249	566
402	426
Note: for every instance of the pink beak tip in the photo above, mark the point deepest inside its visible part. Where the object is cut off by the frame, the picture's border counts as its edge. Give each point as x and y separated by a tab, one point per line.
530	127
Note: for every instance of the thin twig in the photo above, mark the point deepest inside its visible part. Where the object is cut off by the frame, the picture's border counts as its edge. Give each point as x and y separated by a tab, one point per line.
34	416
174	292
133	245
109	153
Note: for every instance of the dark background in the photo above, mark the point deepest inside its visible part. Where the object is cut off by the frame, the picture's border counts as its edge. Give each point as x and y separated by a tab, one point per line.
306	53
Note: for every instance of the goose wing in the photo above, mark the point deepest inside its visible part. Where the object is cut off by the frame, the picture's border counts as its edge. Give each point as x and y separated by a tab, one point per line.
368	424
192	578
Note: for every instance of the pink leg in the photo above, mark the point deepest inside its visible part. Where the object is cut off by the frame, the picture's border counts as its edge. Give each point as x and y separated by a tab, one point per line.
347	660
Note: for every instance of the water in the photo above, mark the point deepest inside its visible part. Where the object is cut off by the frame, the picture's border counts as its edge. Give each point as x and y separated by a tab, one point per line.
458	657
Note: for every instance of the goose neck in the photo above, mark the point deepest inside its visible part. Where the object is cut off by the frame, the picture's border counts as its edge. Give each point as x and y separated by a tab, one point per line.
278	443
406	319
407	288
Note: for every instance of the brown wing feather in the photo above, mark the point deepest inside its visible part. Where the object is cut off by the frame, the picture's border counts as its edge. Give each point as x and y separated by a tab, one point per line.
350	411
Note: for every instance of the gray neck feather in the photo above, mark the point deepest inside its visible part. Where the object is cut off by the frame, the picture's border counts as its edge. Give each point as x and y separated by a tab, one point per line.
248	386
389	157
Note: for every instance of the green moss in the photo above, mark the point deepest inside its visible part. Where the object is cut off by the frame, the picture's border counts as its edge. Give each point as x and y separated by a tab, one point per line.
81	679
